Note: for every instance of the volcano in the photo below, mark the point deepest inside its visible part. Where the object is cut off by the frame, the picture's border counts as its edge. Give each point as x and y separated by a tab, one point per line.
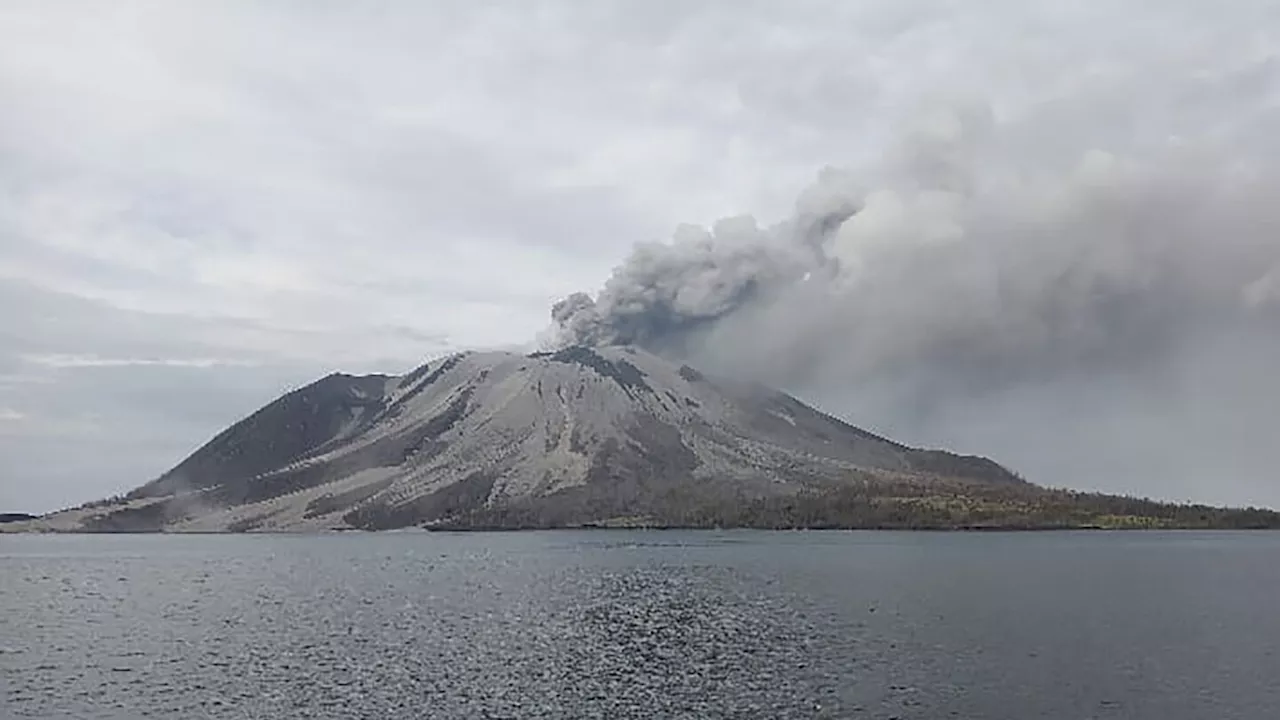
578	437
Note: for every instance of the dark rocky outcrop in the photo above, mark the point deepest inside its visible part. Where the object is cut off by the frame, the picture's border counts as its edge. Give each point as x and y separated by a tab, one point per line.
287	430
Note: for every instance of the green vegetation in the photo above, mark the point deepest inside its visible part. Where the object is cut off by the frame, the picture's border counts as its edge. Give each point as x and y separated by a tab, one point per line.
887	504
972	506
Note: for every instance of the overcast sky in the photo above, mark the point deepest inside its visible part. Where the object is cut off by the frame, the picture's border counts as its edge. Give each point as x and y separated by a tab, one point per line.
205	204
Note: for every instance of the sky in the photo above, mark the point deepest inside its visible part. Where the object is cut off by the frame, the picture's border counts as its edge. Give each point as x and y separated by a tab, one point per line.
204	205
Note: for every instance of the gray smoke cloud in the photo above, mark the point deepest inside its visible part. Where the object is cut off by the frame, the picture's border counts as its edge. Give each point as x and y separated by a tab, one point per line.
665	294
1096	308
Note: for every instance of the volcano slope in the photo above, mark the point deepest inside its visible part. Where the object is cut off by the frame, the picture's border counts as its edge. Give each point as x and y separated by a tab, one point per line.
583	437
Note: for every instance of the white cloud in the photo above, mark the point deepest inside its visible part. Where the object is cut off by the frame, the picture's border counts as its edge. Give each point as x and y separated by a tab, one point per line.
280	189
94	361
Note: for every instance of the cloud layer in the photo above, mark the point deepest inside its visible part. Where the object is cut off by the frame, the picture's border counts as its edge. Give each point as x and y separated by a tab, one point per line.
1064	235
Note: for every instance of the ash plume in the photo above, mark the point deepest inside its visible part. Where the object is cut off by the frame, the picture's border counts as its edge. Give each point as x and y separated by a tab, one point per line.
1080	309
666	293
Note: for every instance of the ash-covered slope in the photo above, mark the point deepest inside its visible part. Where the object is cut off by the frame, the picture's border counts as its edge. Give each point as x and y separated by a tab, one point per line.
503	440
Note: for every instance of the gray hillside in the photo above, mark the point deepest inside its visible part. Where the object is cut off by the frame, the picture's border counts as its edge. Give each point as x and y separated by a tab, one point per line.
574	437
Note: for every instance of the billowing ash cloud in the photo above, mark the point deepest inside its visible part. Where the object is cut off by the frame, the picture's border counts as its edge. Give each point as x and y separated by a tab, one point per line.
666	293
986	277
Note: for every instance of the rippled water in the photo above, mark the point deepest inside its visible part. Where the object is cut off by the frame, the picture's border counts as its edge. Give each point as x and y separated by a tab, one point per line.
642	624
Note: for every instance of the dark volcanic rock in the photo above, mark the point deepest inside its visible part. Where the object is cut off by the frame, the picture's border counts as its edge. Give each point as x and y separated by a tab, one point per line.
287	430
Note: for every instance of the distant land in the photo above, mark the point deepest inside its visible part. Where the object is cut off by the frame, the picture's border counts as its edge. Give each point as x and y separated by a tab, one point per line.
15	517
585	437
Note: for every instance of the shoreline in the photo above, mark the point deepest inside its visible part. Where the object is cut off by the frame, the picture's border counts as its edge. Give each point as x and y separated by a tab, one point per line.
967	530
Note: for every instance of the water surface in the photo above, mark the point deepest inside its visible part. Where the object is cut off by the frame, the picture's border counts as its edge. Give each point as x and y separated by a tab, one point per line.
1165	626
